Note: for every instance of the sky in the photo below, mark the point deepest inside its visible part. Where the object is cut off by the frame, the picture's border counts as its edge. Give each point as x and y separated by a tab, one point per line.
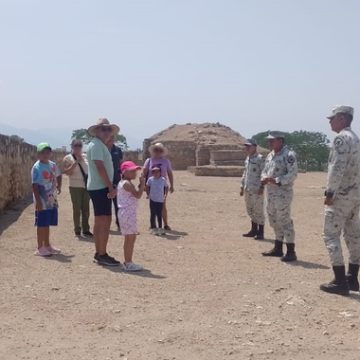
253	65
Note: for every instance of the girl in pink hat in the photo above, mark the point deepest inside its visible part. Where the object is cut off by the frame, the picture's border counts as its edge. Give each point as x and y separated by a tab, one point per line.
128	196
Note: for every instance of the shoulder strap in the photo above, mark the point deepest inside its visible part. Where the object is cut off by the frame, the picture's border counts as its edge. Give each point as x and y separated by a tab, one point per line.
81	169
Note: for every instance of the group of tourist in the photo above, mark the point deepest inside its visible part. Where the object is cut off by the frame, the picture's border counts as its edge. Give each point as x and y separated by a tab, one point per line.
101	176
342	198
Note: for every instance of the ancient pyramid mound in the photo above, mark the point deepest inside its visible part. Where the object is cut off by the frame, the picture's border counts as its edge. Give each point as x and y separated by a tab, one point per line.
200	134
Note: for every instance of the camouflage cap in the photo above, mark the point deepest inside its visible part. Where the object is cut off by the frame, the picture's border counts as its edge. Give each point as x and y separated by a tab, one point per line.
250	142
275	135
341	109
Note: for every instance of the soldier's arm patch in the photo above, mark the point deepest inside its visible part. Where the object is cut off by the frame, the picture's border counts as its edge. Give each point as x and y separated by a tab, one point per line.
338	142
291	159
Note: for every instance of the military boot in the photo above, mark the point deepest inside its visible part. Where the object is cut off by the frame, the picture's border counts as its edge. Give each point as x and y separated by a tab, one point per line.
254	230
290	253
339	285
352	277
260	233
277	251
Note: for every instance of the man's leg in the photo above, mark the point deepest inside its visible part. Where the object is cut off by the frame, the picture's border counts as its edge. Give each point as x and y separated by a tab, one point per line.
85	210
249	201
259	215
76	199
352	240
101	233
334	224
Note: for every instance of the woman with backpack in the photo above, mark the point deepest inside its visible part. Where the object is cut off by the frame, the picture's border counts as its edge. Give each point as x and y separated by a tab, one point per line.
75	166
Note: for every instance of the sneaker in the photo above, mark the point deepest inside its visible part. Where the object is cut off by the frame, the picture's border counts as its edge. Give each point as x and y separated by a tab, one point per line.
167	227
131	267
113	259
53	250
161	232
88	234
77	233
153	231
43	251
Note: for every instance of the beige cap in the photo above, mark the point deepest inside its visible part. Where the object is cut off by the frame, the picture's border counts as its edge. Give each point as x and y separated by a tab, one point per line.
341	109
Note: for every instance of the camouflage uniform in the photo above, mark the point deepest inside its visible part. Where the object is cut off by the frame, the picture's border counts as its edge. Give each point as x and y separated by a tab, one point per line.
251	184
283	168
343	184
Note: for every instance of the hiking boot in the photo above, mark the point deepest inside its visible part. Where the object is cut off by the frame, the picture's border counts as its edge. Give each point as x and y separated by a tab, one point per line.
290	253
352	277
339	285
260	233
253	232
277	251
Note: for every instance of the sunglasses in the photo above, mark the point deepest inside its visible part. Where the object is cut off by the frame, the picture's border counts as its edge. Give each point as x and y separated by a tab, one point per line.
78	146
105	128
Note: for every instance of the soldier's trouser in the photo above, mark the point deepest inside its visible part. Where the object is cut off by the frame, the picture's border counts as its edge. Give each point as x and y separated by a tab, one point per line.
279	212
343	216
255	207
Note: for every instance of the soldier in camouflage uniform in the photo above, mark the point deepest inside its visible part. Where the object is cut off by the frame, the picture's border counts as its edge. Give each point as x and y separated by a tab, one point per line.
253	189
342	202
279	175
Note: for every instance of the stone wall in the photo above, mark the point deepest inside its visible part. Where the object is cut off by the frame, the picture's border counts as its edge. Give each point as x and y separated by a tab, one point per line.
135	156
182	154
16	161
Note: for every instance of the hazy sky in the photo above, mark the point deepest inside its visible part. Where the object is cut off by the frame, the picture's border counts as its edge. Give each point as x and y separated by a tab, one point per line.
146	64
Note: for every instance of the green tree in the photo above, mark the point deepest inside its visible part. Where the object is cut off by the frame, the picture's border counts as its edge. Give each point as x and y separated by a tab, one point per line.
85	137
312	148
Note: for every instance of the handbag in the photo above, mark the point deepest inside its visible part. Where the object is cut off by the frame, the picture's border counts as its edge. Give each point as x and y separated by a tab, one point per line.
85	176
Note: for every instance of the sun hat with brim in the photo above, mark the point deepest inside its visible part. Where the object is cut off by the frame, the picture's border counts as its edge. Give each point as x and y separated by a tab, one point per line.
43	146
157	146
102	122
129	166
341	109
155	168
250	142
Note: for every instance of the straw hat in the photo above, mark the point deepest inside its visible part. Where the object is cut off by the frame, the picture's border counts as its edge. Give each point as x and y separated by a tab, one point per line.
158	146
103	122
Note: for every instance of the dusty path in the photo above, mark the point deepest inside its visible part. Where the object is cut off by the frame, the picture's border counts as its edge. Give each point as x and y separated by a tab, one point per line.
208	295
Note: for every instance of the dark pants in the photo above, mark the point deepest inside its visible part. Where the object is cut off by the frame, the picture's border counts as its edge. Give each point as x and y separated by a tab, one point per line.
116	211
156	209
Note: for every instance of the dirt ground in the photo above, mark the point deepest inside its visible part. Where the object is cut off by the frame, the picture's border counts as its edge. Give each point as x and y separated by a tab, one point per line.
207	294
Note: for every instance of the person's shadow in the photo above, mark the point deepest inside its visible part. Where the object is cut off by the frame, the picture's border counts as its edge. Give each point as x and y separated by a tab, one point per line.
144	273
173	235
308	265
61	258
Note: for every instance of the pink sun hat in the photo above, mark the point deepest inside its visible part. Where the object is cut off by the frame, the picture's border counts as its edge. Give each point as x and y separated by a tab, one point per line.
129	166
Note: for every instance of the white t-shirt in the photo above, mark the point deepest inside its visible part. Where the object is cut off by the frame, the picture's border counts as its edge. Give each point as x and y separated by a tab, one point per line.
76	179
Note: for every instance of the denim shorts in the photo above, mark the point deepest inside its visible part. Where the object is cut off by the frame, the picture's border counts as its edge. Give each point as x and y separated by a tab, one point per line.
102	204
46	218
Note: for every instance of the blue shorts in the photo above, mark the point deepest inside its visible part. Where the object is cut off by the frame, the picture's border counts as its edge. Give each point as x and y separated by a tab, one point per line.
102	204
46	218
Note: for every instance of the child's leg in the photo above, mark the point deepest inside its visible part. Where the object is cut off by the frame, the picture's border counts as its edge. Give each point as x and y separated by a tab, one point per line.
159	213
129	243
43	236
152	214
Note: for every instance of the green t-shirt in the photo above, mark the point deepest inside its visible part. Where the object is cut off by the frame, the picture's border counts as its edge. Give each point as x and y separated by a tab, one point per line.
97	150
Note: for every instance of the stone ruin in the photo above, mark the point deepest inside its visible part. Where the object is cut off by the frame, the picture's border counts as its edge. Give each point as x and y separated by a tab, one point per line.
208	149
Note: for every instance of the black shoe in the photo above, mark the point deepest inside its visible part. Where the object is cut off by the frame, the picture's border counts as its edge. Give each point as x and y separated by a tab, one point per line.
352	277
113	259
254	230
167	227
88	233
77	233
96	256
106	260
290	254
276	251
260	233
339	285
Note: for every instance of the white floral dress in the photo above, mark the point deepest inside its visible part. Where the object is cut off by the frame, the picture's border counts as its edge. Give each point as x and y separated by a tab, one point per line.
127	210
